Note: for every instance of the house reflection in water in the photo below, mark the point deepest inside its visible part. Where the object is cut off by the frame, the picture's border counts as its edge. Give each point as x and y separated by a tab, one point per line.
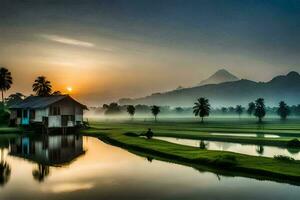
53	150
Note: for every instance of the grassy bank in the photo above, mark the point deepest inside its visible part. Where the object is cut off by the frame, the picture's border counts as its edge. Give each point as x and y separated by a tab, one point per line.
220	162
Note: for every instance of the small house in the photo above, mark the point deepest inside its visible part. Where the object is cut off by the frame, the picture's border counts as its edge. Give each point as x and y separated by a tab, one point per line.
57	111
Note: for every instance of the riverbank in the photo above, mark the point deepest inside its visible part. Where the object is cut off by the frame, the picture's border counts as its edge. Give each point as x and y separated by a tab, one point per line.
221	162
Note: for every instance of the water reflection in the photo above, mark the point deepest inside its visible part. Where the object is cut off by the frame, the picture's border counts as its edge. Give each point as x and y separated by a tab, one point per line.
267	151
108	172
41	172
55	150
5	169
45	151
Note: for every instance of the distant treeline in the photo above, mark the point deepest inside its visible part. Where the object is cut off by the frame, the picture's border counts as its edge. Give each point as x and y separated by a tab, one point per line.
115	108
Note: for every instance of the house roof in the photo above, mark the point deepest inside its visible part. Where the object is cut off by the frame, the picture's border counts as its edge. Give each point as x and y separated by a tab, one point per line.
35	102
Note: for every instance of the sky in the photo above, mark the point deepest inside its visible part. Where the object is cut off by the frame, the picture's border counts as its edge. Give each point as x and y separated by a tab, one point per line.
110	49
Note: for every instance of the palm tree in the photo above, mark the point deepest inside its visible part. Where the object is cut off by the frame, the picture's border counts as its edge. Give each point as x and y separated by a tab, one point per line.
155	111
251	108
5	81
42	87
41	172
283	110
131	111
202	108
239	110
260	109
5	170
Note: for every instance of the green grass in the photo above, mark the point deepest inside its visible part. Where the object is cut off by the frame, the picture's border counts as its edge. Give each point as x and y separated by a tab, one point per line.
245	165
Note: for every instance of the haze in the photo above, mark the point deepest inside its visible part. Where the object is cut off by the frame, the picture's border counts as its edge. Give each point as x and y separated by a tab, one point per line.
106	50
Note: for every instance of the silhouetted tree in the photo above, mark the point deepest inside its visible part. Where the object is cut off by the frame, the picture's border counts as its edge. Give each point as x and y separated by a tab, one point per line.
41	172
131	110
55	93
251	108
42	87
224	110
231	110
202	108
14	98
5	81
239	110
283	110
155	111
179	110
112	108
260	109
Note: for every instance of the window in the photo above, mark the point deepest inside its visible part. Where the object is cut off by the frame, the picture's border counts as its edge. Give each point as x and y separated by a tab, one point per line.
54	110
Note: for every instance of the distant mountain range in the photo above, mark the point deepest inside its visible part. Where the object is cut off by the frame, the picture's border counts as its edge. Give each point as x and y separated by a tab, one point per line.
221	76
229	93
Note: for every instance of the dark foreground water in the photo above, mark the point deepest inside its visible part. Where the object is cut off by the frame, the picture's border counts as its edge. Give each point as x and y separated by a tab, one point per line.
86	168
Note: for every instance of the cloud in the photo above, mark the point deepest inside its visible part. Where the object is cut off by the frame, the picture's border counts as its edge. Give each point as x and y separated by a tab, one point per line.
68	41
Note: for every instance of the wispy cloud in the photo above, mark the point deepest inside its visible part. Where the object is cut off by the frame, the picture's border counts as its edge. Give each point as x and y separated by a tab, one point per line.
67	40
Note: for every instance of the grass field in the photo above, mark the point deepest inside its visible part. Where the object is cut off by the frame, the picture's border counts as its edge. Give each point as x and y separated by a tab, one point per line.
114	131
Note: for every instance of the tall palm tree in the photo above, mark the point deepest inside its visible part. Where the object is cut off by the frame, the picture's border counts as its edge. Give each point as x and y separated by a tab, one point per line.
5	81
155	111
131	110
42	87
202	108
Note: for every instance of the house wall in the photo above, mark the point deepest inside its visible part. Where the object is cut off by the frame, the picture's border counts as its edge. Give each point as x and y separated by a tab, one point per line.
40	113
54	121
69	107
79	118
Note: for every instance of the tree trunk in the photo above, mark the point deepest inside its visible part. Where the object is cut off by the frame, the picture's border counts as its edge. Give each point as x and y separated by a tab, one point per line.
202	120
155	118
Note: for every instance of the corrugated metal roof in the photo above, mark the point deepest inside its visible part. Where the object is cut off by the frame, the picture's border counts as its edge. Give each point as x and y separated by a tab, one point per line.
35	102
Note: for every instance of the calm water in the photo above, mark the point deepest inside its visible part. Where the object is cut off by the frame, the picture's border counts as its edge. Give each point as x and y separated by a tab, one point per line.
247	135
86	168
255	150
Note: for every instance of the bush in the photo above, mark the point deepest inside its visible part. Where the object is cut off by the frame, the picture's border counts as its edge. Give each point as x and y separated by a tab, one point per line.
4	117
294	143
284	158
225	161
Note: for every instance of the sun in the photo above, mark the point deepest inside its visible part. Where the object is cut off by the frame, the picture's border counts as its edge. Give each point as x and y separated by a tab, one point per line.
69	89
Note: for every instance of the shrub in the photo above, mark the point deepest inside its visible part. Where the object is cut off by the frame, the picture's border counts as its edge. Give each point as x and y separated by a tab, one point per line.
225	161
4	117
284	158
294	143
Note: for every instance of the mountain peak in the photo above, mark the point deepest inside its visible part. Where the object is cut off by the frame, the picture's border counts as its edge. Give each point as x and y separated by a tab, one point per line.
219	76
293	74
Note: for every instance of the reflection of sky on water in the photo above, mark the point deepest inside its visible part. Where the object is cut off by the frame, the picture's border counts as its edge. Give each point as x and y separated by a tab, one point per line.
268	151
106	172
